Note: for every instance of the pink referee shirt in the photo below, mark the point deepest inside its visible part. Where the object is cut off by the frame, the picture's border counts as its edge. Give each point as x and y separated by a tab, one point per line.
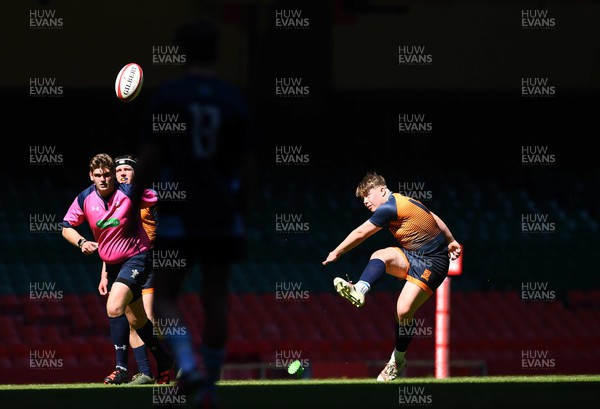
108	219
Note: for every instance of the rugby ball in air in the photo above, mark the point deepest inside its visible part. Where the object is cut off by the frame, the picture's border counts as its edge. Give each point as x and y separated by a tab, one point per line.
129	82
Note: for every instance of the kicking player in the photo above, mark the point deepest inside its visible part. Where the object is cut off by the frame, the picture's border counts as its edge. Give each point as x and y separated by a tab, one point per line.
124	249
125	171
422	257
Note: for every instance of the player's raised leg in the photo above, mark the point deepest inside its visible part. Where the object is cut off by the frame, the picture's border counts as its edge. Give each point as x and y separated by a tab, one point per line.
390	260
348	291
410	299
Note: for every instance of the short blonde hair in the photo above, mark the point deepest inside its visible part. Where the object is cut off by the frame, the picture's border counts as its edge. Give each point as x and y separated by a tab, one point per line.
370	181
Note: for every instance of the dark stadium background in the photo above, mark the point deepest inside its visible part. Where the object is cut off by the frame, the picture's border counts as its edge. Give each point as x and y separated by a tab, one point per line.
347	125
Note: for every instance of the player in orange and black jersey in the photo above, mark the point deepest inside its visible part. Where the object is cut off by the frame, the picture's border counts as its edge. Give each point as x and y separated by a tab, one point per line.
422	257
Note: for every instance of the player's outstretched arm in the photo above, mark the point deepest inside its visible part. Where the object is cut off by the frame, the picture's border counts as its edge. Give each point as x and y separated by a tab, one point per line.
356	236
453	246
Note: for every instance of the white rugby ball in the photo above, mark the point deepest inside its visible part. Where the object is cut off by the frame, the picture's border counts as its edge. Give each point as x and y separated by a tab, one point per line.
129	82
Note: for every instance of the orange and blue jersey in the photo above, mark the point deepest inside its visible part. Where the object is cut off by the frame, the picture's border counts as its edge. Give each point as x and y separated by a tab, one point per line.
408	220
149	216
149	222
108	219
421	241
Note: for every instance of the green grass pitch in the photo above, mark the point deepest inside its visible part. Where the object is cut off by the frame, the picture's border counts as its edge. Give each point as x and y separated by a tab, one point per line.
563	392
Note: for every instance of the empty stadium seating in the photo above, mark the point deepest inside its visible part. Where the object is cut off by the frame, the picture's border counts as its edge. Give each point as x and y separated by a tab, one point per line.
492	325
489	333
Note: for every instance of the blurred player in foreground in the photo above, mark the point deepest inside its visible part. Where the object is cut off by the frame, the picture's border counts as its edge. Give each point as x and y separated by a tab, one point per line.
125	171
422	258
106	206
203	219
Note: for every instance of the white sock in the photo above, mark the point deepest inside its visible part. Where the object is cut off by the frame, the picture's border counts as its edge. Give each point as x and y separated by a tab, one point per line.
362	286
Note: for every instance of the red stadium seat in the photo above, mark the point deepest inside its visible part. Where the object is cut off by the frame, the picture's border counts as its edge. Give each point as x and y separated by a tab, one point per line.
9	303
81	322
5	363
51	335
33	312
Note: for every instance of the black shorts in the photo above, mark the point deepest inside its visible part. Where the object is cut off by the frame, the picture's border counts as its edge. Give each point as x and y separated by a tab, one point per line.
133	272
428	267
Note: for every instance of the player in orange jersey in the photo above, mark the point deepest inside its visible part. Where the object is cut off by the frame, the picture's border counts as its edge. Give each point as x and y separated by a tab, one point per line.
422	257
